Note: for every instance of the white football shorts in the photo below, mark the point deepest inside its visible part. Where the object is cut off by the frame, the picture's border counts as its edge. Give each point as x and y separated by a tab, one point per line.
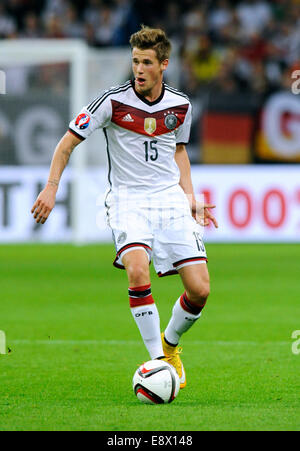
165	230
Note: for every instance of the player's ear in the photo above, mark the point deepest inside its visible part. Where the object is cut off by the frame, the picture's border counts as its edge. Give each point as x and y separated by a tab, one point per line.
164	64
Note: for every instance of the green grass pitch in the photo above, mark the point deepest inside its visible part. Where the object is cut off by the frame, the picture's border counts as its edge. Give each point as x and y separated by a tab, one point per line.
74	345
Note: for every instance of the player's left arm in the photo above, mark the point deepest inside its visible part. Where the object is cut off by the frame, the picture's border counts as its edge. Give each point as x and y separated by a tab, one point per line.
199	211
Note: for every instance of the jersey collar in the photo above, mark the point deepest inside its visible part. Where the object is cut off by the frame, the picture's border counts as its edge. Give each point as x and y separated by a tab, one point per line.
143	99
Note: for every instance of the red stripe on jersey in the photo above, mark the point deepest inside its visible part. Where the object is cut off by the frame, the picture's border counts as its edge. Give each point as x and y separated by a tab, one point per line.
127	246
149	124
186	260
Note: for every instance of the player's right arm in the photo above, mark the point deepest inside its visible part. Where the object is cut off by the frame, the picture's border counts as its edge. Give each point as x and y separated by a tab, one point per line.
96	115
45	201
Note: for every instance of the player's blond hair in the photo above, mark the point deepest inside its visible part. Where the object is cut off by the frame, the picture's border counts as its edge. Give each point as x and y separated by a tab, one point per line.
152	38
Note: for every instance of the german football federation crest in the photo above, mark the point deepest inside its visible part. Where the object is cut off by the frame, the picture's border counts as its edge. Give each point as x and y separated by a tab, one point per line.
150	125
171	121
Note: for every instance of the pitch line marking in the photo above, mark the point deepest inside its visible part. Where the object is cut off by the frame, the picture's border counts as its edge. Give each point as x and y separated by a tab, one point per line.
2	342
136	342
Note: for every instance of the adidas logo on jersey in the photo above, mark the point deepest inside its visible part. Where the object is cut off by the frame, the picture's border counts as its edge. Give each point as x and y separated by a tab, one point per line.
128	118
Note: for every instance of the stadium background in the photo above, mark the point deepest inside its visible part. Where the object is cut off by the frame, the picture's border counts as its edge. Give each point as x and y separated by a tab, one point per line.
236	60
64	308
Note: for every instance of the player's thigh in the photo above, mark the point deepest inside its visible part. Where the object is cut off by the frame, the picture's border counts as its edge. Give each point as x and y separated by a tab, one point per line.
195	279
136	263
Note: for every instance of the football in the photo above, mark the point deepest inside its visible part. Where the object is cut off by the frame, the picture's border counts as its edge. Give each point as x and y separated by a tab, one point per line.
156	382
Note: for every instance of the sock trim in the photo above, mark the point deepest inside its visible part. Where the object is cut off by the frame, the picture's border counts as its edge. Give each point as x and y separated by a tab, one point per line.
189	306
139	296
170	344
141	288
134	293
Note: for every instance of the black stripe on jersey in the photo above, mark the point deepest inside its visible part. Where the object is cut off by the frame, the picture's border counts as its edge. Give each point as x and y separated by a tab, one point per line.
109	94
175	91
104	94
108	158
109	179
99	101
133	244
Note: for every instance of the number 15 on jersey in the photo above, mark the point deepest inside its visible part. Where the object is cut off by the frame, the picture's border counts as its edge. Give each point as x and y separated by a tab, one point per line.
151	151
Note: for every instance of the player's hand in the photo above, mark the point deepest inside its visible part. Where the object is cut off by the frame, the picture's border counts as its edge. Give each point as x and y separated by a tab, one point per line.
44	204
203	215
208	216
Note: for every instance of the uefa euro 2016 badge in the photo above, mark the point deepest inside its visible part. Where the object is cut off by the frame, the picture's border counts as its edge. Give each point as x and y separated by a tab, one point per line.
82	121
150	125
171	121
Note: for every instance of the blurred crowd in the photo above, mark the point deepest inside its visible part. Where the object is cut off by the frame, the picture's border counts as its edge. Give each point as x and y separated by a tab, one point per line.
230	45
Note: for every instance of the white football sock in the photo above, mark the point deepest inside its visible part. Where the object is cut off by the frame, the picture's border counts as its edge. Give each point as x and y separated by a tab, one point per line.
148	322
146	316
181	321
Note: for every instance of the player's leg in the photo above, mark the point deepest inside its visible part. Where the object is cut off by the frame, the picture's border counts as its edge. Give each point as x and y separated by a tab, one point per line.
186	311
188	307
136	263
142	304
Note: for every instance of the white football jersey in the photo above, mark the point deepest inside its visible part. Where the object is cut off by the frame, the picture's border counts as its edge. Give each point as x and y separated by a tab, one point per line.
141	136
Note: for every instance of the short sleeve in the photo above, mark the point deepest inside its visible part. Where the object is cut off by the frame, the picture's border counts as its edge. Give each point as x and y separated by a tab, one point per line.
95	115
183	131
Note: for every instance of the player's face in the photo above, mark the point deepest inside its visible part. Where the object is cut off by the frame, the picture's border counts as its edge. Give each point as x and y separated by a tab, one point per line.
147	70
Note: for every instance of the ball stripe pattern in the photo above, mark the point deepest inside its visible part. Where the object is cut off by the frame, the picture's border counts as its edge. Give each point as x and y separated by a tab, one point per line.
144	373
148	394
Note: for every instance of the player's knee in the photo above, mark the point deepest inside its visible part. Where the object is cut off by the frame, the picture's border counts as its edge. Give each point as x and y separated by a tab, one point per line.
137	274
